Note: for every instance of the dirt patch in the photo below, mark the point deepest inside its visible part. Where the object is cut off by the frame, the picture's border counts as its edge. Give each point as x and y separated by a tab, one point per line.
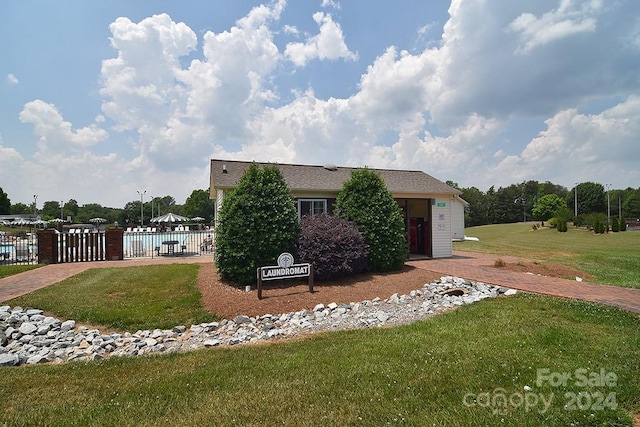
543	269
284	297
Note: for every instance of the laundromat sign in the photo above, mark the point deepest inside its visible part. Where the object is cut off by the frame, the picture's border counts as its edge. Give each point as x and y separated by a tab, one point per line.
286	269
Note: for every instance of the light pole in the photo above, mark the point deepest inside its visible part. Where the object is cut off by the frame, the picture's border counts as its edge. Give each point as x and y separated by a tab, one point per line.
151	206
575	203
619	206
141	207
61	211
608	203
35	204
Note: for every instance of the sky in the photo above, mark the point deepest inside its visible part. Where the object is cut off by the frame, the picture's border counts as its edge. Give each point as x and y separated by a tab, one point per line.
102	100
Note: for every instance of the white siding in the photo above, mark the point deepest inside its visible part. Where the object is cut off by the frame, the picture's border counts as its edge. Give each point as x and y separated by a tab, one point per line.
457	219
441	231
219	199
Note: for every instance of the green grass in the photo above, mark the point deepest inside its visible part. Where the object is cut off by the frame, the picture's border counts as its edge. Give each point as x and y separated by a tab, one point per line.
417	374
612	258
125	298
10	270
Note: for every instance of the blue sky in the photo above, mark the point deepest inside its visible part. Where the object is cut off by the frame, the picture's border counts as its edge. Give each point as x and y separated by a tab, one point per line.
101	99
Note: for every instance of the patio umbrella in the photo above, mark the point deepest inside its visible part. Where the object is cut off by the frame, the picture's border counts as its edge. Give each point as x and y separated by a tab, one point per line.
98	220
21	221
197	219
170	217
56	220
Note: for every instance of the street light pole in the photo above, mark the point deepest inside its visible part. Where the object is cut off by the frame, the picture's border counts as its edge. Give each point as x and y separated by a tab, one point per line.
619	206
575	203
141	207
61	211
151	206
35	204
608	204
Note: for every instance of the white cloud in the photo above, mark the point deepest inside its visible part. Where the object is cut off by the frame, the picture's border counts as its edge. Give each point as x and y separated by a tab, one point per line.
331	3
443	156
328	44
597	147
56	136
565	21
176	113
11	79
290	29
175	101
395	86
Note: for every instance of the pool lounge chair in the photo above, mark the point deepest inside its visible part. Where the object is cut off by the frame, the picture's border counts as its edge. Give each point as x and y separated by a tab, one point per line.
23	253
137	248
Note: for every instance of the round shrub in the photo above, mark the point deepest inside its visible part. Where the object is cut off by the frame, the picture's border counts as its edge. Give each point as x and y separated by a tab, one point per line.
333	245
365	200
258	221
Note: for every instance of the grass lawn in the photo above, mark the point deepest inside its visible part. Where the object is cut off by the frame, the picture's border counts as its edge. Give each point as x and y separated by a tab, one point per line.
612	258
126	298
475	366
9	270
434	372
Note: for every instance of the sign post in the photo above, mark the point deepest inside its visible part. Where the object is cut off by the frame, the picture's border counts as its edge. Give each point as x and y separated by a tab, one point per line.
285	269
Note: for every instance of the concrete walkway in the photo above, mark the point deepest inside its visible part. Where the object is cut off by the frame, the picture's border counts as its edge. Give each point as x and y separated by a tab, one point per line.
468	265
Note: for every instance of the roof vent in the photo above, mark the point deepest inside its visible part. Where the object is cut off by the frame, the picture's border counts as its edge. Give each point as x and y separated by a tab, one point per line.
330	167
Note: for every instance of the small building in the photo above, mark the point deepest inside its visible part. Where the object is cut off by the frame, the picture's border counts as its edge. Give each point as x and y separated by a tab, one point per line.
427	204
458	208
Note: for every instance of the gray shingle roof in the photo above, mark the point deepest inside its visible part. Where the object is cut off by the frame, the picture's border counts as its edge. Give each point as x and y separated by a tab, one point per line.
319	178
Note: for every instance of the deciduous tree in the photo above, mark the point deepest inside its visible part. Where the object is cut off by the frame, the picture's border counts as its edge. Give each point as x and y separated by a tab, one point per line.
547	206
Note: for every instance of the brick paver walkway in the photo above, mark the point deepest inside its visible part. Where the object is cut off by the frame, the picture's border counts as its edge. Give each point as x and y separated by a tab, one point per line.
475	266
471	266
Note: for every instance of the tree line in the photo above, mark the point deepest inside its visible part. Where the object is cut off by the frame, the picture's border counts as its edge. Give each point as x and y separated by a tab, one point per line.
533	200
517	202
198	204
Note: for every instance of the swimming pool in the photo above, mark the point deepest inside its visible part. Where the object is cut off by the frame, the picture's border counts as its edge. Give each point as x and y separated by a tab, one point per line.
150	244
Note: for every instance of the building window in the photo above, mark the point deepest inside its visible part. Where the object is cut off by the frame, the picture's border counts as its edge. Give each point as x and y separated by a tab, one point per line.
311	207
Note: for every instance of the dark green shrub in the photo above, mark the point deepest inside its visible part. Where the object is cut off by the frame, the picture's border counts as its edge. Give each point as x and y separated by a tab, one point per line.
333	245
561	225
623	224
365	200
599	226
615	224
258	221
562	216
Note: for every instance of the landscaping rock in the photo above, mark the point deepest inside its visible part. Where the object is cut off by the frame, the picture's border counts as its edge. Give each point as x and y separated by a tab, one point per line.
27	336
